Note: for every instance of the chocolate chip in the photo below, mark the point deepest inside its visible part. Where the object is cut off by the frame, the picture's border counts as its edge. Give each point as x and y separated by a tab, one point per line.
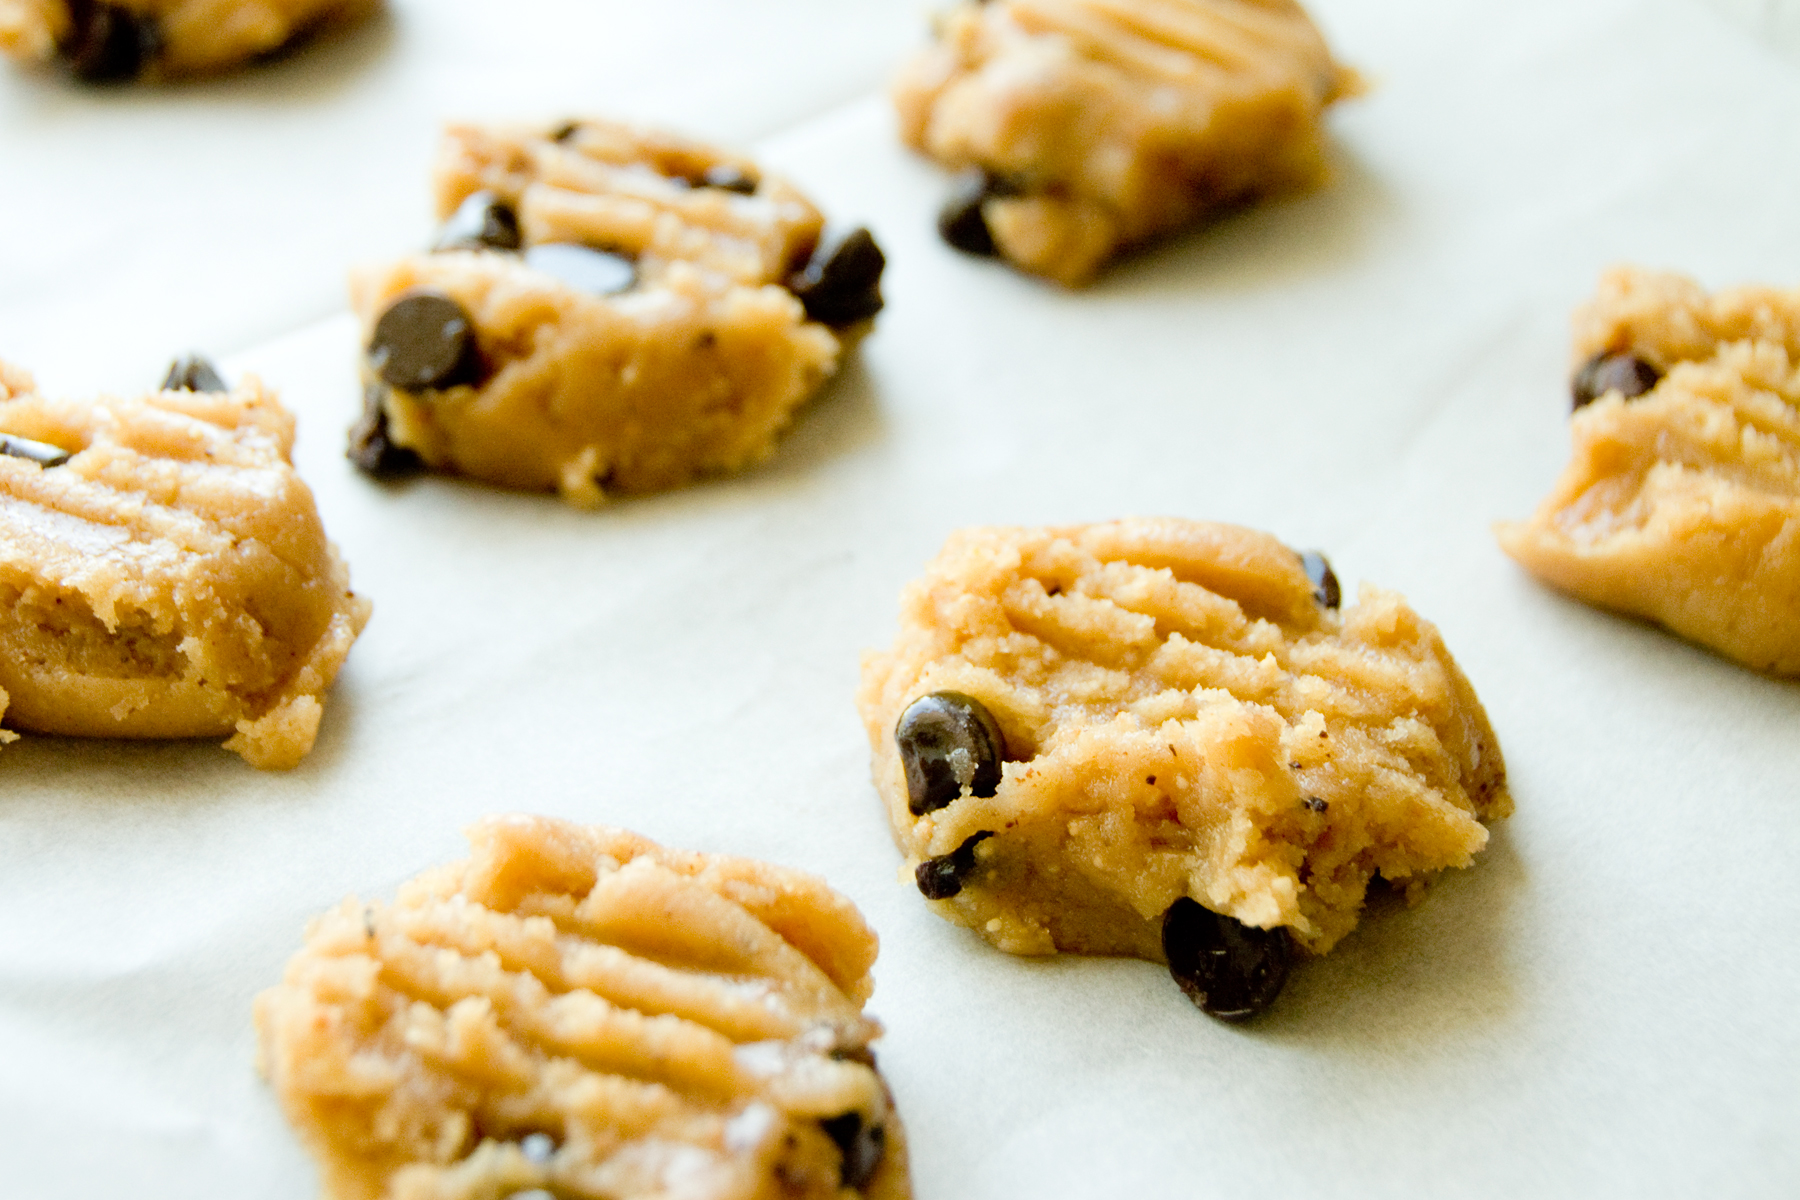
728	178
583	267
481	222
565	131
855	1054
942	877
1624	373
1315	804
948	741
841	283
108	43
193	373
424	340
41	453
1230	970
960	222
371	449
1324	579
862	1145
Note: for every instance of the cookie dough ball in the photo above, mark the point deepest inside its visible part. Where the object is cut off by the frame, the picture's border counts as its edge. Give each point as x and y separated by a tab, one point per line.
608	310
1084	127
574	1012
163	570
129	39
1681	503
1161	738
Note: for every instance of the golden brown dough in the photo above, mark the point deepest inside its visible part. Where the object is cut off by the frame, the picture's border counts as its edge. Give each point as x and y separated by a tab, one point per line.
125	39
691	365
171	579
1681	504
1181	716
578	1010
1102	123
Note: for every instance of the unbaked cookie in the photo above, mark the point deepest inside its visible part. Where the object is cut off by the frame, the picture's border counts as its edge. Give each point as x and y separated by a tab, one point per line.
129	39
1160	738
1682	501
1087	126
163	572
608	310
576	1013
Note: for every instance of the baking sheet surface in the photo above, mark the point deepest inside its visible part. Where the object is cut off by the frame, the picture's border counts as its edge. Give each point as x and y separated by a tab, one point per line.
1603	1005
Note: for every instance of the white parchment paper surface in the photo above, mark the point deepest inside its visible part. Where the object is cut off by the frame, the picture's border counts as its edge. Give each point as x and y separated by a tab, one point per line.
1604	1005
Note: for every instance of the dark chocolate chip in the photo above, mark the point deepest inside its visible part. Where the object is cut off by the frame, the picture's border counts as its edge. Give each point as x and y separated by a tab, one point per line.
583	267
948	741
481	222
728	178
565	131
108	43
841	284
942	877
862	1145
1230	970
424	340
856	1054
41	453
1324	579
960	221
1624	373
371	449
1315	804
193	373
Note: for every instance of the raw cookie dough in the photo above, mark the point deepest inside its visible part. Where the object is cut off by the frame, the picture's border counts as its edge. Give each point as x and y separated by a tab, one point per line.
575	1012
610	310
1088	126
163	572
1681	503
130	39
1182	714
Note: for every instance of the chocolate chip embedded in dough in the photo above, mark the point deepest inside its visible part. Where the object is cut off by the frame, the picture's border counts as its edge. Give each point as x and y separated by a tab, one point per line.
942	877
862	1144
1228	969
565	131
948	741
424	341
1324	579
960	222
41	453
371	449
841	283
481	222
193	373
729	178
595	271
1624	373
108	43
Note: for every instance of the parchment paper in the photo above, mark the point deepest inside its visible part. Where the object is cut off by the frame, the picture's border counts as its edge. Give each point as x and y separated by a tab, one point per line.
1602	1006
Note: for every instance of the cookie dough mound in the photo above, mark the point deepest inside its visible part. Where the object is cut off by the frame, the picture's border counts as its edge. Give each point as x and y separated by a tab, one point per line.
631	310
163	572
576	1012
129	39
1180	717
1681	503
1093	125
